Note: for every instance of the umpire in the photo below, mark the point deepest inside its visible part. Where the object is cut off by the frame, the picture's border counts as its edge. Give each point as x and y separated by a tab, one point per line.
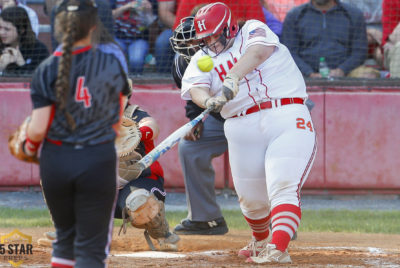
197	149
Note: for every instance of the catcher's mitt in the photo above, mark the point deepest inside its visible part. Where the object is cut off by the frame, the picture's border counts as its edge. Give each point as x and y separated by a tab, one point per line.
129	170
126	144
128	139
16	143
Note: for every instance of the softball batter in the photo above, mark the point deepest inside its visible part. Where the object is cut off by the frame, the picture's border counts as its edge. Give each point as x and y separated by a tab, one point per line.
271	138
77	95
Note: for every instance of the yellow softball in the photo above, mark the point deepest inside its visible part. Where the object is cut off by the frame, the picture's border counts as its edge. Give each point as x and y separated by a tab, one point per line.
205	63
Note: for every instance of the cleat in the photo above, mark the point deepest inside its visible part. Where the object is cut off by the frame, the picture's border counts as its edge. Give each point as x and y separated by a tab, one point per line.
271	255
215	227
50	235
169	243
253	248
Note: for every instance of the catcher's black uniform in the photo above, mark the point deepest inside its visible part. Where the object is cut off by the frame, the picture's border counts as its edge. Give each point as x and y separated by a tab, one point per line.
151	179
78	168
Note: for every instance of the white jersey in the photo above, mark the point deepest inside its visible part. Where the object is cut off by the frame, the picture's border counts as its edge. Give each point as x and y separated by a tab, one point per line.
278	77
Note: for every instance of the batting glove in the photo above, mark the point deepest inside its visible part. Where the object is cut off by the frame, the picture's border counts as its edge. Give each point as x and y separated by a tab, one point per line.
215	103
230	87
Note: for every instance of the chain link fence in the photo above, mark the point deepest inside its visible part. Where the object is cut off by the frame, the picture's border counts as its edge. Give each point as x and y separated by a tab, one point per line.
351	40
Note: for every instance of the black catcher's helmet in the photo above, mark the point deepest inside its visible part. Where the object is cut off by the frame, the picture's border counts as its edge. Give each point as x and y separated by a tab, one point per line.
183	40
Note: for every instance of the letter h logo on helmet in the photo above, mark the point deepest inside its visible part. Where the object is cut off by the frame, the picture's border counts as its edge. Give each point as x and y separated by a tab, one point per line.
214	19
201	25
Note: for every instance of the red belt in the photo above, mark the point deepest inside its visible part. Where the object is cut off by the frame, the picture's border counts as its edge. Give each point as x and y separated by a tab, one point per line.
269	105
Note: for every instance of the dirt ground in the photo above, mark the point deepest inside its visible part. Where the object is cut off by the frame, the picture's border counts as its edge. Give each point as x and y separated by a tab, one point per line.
309	250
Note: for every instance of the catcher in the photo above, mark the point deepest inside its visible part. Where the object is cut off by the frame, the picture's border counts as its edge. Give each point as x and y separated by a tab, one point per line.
141	195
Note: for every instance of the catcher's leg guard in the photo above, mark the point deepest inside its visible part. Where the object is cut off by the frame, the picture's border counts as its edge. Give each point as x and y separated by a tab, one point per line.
142	206
146	212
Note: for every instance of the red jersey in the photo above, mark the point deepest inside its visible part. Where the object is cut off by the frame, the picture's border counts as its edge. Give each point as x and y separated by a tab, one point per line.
242	10
390	17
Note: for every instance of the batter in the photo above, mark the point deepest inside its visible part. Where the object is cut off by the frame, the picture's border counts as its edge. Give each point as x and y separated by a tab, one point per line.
271	137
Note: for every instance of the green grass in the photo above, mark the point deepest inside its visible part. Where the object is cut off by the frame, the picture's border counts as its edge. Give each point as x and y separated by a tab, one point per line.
361	221
10	217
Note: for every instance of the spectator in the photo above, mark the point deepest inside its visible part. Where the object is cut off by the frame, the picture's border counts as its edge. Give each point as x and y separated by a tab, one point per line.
33	17
273	23
391	36
104	14
132	19
163	52
325	28
279	8
21	51
242	10
372	10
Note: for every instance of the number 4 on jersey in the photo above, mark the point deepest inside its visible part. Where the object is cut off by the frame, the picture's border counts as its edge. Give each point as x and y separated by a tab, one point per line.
82	93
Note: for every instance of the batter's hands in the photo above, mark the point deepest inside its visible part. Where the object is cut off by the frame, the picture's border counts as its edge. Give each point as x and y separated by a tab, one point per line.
230	87
195	133
215	103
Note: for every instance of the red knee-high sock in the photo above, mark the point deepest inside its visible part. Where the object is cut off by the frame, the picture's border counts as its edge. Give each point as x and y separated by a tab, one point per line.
285	221
259	227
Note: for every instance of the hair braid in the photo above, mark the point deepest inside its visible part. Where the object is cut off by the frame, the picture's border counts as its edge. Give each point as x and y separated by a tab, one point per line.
64	66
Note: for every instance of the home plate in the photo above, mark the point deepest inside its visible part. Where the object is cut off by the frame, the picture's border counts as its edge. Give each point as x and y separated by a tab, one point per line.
151	254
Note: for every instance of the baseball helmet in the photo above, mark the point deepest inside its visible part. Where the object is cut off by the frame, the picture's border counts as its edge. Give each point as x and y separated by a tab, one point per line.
214	19
183	39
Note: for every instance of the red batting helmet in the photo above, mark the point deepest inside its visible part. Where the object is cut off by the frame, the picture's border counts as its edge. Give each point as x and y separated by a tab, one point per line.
214	19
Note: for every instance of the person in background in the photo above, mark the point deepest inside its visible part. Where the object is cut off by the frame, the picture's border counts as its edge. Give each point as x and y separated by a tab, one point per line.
273	23
104	15
163	53
372	10
329	29
198	148
21	51
391	36
132	20
279	8
33	17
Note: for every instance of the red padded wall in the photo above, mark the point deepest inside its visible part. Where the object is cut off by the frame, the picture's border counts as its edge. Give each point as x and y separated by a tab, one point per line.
362	140
15	105
357	134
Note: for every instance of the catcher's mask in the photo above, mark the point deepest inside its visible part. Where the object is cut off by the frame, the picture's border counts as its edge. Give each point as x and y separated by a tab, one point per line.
183	39
215	20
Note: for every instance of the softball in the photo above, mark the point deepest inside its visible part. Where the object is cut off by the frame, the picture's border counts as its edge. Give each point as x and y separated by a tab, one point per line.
205	63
